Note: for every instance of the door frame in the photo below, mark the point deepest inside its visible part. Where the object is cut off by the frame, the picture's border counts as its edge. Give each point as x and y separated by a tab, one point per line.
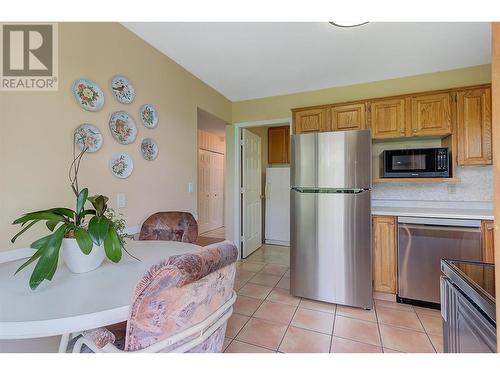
236	188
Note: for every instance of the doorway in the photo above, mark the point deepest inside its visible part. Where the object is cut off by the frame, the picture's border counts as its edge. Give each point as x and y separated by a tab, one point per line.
211	166
262	211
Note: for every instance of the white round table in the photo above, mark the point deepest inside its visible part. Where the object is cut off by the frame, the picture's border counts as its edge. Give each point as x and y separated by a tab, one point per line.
76	302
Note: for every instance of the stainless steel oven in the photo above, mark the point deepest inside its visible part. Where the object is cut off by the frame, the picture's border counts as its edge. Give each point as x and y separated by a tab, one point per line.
422	243
418	162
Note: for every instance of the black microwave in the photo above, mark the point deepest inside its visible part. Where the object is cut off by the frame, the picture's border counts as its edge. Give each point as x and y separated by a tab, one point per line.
418	162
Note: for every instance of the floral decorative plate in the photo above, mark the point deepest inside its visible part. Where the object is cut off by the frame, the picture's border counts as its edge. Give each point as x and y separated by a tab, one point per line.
122	127
149	149
122	89
121	165
148	116
88	94
88	136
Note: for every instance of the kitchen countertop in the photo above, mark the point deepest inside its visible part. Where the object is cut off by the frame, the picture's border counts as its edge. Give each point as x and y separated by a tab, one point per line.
448	213
451	210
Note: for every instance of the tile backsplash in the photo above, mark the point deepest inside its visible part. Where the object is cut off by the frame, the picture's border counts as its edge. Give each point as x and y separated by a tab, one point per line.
476	185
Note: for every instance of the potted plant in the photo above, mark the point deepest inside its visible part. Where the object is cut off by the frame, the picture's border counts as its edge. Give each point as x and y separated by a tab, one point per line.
85	235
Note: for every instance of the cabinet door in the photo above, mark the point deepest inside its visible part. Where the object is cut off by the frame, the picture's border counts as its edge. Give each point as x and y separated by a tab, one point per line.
474	127
349	117
384	254
487	241
311	120
431	114
278	144
388	118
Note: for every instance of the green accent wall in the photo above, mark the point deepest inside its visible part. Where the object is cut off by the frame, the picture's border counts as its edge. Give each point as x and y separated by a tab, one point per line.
279	106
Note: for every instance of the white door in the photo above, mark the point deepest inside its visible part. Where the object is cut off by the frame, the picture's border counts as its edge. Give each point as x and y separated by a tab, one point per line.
251	190
210	190
278	206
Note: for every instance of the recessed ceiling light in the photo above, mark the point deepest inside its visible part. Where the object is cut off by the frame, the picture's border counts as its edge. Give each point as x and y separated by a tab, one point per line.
347	25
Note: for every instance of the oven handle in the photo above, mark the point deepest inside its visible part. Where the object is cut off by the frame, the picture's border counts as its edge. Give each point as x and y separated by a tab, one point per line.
429	221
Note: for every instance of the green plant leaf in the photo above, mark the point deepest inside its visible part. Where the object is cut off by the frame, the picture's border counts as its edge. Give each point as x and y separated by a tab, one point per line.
51	224
42	215
88	212
98	229
34	257
13	239
63	211
84	241
40	242
80	200
99	203
47	262
112	245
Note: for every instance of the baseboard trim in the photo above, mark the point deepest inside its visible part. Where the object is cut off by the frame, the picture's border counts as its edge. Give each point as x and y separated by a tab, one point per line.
275	242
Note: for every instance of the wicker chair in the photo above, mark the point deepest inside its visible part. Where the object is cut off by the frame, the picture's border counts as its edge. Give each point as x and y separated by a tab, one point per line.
180	305
170	226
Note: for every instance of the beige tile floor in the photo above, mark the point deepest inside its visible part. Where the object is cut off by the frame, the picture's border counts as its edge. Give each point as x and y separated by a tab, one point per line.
267	319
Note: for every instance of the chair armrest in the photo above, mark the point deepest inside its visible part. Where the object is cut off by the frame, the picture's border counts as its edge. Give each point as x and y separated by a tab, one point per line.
100	337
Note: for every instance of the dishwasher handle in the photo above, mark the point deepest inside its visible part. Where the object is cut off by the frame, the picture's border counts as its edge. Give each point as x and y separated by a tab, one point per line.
443	228
431	221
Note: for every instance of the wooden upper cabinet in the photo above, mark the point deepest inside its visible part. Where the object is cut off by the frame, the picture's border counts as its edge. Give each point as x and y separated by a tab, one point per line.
384	254
278	145
431	114
311	120
388	118
474	127
348	117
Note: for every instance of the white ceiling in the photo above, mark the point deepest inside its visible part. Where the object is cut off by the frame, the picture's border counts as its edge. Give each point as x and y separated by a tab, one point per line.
253	60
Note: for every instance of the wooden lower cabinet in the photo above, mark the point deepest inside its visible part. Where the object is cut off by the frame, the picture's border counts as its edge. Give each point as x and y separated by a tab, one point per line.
384	254
487	241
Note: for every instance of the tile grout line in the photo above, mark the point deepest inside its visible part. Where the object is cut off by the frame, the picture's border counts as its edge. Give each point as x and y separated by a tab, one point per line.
288	326
333	329
426	334
378	327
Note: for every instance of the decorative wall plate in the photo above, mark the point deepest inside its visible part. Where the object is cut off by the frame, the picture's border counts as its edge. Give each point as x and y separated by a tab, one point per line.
122	89
88	94
89	136
148	116
121	164
122	127
149	149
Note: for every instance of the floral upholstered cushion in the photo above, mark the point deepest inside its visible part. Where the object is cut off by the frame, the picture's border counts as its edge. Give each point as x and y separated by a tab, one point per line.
179	293
170	226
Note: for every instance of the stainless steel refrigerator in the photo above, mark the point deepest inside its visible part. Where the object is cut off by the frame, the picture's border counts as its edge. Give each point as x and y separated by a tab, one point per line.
330	226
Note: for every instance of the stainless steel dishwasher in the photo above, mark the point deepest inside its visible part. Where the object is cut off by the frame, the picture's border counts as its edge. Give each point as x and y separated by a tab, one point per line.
422	243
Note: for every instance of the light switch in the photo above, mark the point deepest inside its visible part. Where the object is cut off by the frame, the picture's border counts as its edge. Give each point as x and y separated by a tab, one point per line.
190	187
121	200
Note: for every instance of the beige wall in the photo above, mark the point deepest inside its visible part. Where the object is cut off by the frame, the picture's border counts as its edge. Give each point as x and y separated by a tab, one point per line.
36	130
279	106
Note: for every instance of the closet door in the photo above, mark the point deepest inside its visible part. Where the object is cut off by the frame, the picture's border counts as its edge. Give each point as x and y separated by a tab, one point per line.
203	190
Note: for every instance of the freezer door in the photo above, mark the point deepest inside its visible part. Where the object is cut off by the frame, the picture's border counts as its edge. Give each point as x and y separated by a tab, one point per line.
333	159
330	238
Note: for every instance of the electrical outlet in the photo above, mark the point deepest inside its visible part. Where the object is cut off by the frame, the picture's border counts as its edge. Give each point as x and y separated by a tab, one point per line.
452	189
121	200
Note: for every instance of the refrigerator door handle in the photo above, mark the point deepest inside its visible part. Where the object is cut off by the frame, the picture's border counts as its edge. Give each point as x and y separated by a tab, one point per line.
329	190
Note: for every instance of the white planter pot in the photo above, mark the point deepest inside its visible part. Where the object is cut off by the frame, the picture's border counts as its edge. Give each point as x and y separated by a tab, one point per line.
77	261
